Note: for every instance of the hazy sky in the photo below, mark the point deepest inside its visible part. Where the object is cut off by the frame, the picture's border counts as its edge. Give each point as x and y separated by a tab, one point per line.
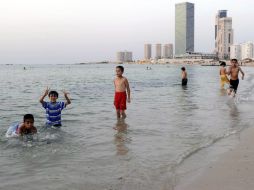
70	31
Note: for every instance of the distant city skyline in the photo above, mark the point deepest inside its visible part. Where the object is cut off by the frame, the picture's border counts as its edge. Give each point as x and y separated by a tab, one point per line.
65	31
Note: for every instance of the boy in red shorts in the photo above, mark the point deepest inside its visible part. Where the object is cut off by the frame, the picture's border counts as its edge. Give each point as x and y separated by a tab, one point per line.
121	86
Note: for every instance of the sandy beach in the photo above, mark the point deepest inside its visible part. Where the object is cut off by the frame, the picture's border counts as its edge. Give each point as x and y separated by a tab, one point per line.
233	170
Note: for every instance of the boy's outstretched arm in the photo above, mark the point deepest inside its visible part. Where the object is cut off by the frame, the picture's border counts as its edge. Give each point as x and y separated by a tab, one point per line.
128	91
68	101
44	95
242	73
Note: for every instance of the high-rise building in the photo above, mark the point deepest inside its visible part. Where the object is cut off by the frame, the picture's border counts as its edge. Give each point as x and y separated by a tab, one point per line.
223	34
147	51
168	51
127	56
184	28
123	56
120	57
158	51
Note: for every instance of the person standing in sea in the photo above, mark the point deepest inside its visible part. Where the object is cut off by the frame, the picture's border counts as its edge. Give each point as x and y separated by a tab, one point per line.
184	77
233	72
121	87
223	75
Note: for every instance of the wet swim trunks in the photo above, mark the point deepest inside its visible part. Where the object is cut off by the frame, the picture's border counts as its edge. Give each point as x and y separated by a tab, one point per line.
223	80
184	82
120	100
234	84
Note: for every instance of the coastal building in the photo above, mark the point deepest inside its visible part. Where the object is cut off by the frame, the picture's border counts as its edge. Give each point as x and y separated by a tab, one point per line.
120	57
123	56
247	50
242	51
167	51
184	28
158	51
223	34
235	52
147	51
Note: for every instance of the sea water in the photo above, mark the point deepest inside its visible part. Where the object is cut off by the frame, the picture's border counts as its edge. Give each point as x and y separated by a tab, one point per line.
165	124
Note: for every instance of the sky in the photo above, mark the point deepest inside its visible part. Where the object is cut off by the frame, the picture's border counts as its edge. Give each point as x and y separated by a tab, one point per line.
73	31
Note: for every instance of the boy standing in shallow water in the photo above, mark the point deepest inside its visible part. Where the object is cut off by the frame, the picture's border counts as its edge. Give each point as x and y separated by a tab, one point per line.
184	76
234	70
54	108
121	86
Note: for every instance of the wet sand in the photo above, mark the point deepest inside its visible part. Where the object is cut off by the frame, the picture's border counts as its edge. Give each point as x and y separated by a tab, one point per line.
233	170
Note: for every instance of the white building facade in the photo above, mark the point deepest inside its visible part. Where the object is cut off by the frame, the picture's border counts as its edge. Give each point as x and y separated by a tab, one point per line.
247	50
242	51
235	52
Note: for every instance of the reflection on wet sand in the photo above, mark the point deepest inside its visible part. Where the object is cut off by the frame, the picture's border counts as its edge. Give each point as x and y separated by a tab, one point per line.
121	137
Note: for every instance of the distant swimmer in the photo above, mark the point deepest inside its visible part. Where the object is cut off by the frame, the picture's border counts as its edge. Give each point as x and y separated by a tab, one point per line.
223	75
233	71
54	108
121	86
184	77
25	128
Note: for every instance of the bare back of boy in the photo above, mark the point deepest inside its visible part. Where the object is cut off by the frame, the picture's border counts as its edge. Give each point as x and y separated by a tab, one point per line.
223	71
184	75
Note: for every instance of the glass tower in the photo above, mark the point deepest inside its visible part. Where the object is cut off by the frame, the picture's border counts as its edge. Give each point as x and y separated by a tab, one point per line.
184	28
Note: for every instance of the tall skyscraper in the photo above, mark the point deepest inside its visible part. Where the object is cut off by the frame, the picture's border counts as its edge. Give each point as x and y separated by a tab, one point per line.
147	51
158	51
184	28
168	51
223	34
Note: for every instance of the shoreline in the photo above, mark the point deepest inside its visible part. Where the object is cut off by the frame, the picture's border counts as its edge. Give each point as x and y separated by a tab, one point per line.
201	62
229	169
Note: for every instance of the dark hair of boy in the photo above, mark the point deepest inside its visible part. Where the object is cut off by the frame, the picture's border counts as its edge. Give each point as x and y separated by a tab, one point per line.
28	117
183	68
222	63
120	67
54	93
234	60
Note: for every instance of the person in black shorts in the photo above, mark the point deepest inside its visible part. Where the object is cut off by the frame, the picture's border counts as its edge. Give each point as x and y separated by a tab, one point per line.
184	76
234	72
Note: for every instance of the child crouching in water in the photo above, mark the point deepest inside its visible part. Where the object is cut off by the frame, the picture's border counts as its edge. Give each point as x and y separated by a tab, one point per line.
25	128
121	86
